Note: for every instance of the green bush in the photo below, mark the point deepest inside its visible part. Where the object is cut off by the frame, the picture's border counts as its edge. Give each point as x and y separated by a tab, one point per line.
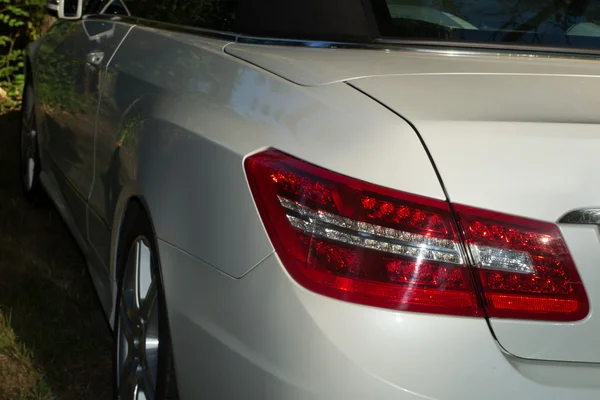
21	21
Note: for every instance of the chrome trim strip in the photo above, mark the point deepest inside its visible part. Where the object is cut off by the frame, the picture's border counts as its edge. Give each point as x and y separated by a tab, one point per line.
318	44
583	216
493	48
447	49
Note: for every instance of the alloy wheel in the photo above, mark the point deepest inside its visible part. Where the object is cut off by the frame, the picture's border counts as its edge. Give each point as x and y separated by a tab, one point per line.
138	326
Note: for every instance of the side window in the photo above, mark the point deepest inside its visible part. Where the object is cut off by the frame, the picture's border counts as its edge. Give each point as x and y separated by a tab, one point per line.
94	6
115	7
209	14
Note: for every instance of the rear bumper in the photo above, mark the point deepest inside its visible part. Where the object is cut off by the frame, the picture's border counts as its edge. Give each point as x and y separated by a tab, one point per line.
264	337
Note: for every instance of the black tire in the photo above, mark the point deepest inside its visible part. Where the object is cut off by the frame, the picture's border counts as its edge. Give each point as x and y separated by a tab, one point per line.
138	225
28	148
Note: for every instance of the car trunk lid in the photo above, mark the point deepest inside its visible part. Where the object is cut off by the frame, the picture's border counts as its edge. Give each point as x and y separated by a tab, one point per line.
521	144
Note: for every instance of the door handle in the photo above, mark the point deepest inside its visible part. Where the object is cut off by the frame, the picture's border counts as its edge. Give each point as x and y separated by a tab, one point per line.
95	58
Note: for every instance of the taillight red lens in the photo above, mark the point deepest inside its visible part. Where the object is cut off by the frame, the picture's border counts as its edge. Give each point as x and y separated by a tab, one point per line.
359	242
363	243
529	274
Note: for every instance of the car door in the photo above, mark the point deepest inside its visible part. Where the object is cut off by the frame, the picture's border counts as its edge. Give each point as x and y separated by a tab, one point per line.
73	59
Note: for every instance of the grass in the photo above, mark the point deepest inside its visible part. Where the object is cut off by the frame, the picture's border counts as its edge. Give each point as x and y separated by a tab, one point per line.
19	379
54	342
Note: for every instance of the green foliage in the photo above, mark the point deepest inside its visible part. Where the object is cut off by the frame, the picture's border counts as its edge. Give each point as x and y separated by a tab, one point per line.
21	21
200	13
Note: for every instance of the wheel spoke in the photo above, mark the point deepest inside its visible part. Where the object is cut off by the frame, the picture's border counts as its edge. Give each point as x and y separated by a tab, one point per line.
127	367
144	273
128	379
127	325
148	309
129	291
151	363
129	306
146	385
152	340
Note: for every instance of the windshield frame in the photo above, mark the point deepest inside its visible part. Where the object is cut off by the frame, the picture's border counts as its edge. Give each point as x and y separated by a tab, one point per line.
488	47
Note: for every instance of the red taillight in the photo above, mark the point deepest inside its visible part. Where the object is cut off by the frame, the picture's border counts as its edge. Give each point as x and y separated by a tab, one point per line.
359	242
534	276
367	244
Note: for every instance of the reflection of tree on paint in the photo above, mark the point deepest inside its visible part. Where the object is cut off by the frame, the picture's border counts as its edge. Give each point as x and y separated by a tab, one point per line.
127	141
59	75
129	133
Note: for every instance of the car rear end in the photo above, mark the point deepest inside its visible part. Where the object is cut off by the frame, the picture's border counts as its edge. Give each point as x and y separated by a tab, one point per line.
432	211
461	302
378	293
421	260
488	292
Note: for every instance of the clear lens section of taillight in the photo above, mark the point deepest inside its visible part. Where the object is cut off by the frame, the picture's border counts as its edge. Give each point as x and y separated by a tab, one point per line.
363	243
534	276
359	242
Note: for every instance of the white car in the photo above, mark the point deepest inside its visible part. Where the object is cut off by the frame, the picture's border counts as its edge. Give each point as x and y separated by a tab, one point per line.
338	199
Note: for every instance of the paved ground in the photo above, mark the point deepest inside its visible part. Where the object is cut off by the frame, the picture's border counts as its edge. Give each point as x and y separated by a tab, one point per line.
54	342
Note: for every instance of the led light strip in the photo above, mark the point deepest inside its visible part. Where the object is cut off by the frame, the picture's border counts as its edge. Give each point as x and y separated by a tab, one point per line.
502	259
375	237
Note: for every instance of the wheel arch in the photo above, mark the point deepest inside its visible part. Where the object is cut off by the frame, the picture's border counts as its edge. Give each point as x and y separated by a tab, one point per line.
134	206
131	203
30	55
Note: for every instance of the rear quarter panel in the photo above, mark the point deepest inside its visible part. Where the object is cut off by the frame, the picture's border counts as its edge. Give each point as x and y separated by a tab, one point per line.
178	116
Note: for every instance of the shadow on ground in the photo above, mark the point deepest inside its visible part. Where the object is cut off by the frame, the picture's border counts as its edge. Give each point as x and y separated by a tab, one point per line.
45	288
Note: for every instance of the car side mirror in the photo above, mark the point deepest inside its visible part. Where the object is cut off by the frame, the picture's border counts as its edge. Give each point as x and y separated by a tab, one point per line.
65	9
